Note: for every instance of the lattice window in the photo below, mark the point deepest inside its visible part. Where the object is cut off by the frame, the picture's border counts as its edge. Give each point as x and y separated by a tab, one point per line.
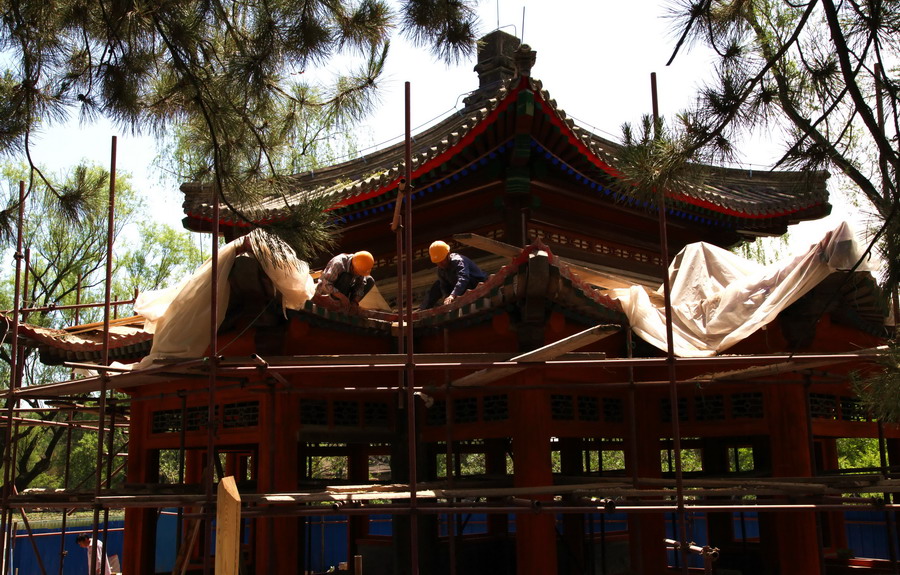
376	414
613	410
465	410
580	244
823	406
588	408
665	406
709	408
562	407
197	417
314	412
243	414
747	405
166	421
437	413
852	410
495	407
346	413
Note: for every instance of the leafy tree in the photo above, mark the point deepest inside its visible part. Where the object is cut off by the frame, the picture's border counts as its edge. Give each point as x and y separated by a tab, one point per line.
66	264
823	75
244	79
813	71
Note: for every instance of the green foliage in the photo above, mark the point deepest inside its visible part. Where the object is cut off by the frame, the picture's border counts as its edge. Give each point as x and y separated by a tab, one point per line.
691	460
653	160
858	452
64	237
879	391
811	72
241	82
160	256
764	250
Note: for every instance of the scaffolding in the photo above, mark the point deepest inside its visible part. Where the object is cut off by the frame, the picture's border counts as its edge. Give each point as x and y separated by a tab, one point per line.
631	494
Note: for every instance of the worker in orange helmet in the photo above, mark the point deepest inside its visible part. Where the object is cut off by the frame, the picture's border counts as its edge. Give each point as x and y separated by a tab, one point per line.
346	279
456	275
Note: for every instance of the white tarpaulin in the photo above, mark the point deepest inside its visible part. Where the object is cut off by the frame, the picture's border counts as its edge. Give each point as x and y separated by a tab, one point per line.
179	316
718	298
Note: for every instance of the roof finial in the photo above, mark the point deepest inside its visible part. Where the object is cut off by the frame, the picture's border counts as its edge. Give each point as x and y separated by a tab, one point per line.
524	58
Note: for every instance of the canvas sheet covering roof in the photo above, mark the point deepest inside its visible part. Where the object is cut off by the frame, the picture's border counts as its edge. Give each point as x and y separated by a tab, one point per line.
719	298
179	316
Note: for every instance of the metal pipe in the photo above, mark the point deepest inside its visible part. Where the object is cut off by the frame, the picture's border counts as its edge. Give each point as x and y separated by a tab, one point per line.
181	454
632	445
66	476
111	451
410	356
213	364
74	306
104	378
670	343
889	517
8	474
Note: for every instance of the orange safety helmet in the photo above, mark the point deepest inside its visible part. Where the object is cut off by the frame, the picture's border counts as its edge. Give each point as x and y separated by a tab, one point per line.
438	251
362	263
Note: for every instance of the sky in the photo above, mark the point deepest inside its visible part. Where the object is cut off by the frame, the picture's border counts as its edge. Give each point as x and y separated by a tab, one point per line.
595	57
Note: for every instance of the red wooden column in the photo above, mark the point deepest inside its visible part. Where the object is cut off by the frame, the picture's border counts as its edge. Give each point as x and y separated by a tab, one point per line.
277	550
140	524
571	464
646	531
836	538
790	539
495	464
535	532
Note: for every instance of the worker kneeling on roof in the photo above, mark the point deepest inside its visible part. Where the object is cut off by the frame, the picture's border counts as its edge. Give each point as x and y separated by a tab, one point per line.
456	274
346	279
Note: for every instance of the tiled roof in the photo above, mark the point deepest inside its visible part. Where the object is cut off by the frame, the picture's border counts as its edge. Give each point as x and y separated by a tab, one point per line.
127	342
728	193
500	290
862	306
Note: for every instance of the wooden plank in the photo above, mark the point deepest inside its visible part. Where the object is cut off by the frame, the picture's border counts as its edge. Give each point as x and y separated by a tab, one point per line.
184	552
567	344
228	527
766	370
487	244
548	352
591	276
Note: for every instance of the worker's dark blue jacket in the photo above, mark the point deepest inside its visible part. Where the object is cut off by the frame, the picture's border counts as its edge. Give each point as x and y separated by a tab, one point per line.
460	275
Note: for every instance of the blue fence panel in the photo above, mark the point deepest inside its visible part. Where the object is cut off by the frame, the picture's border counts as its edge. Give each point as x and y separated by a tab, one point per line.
606	523
327	540
469	523
867	534
166	544
696	533
47	541
749	524
380	524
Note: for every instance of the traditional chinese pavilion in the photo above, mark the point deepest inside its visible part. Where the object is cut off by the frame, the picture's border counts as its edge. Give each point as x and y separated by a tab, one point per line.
538	413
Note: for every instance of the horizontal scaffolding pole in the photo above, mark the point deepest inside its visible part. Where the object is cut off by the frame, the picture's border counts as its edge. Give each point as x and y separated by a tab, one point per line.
249	369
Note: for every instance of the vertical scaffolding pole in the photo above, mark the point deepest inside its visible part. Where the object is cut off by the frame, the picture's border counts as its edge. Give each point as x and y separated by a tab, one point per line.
889	515
632	455
410	359
104	376
8	475
670	350
66	475
213	363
